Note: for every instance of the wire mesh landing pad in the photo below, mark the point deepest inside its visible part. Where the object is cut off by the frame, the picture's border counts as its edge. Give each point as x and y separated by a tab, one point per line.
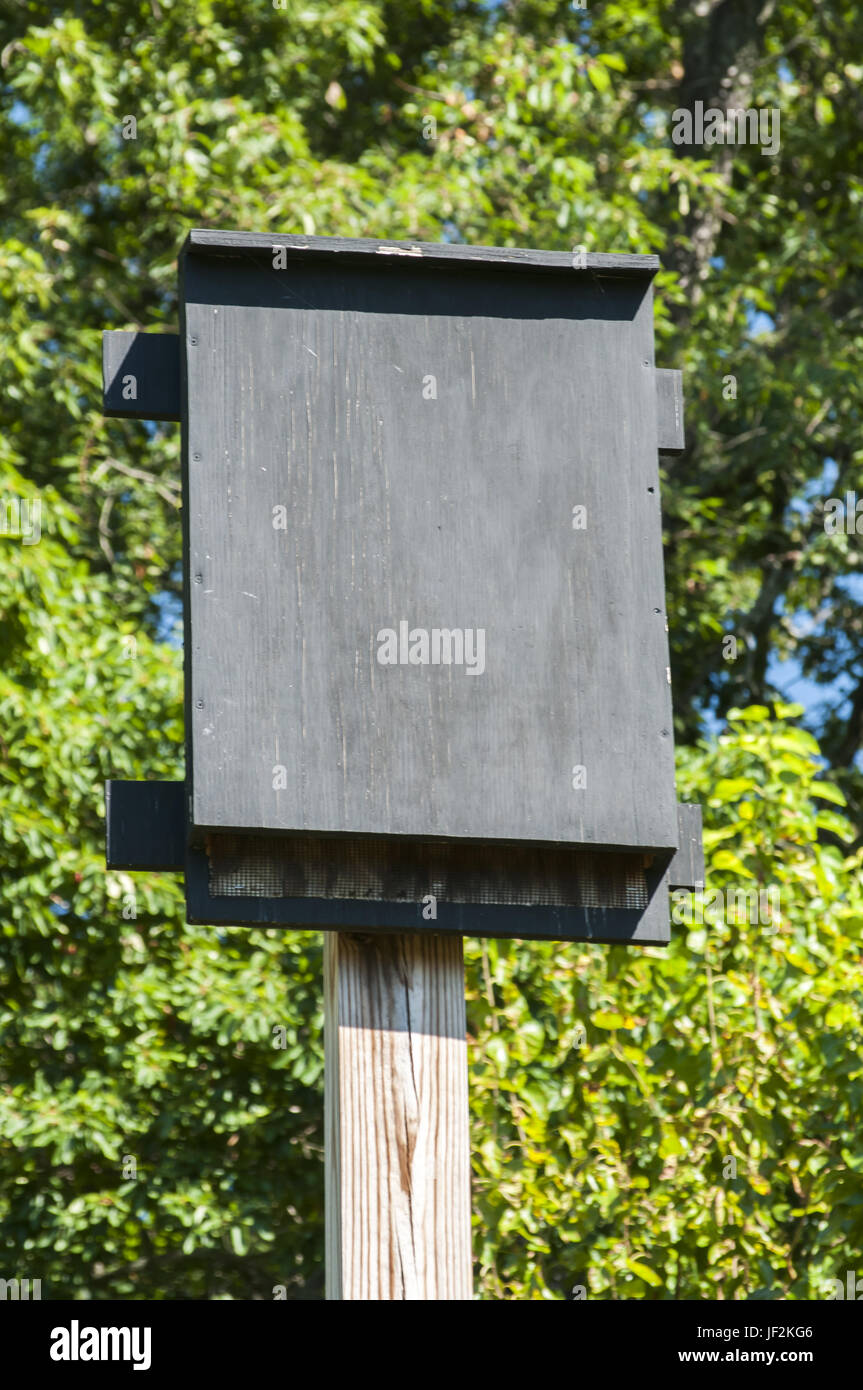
248	866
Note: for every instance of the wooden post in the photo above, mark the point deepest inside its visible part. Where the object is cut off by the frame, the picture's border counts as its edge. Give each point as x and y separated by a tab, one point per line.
396	1118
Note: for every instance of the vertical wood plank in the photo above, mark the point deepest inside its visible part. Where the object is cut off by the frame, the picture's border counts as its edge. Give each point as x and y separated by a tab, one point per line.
152	360
669	411
396	1118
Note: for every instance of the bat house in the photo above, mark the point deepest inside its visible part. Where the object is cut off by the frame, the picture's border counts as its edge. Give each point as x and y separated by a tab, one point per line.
426	653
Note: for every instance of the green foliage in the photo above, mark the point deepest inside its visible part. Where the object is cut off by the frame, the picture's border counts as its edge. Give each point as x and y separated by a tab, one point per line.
125	1033
597	1162
612	1087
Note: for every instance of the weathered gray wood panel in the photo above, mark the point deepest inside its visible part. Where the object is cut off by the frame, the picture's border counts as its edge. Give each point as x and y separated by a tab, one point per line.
364	251
686	869
669	402
304	389
141	375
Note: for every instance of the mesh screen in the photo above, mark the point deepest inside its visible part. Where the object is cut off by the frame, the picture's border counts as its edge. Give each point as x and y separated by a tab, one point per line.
251	866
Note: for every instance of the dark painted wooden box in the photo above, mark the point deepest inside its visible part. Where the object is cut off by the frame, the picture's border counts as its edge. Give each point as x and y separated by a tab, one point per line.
427	675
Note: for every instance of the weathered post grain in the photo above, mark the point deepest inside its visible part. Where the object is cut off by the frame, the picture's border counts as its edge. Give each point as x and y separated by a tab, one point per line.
396	1124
